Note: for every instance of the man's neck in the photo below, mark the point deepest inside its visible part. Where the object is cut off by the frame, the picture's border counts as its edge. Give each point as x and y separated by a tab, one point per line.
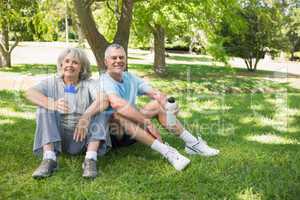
116	77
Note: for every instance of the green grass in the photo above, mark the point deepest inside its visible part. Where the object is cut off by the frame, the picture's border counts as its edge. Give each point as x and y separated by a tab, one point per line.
34	69
258	134
189	58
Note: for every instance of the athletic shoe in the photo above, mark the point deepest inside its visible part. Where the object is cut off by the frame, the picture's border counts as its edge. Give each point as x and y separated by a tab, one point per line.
46	168
201	148
178	161
89	167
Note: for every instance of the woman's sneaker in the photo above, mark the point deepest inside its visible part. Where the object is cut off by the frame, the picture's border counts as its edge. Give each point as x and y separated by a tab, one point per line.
46	168
178	161
201	148
89	167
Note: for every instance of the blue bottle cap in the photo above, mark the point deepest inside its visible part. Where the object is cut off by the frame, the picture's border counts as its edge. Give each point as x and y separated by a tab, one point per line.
70	89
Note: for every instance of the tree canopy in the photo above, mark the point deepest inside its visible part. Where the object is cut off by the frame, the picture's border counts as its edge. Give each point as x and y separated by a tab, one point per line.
258	30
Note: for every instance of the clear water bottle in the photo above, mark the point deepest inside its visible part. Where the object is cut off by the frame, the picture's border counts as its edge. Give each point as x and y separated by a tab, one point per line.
171	107
70	97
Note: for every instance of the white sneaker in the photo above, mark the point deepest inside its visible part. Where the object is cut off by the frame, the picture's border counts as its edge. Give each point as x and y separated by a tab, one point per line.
178	161
200	147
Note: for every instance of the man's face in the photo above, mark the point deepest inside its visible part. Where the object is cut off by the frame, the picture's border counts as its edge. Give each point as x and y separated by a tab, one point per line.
116	61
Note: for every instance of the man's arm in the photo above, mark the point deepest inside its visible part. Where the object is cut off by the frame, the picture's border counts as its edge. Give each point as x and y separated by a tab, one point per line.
99	105
126	110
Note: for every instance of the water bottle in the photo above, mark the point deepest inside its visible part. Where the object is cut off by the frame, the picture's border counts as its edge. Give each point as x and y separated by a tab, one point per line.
171	107
70	97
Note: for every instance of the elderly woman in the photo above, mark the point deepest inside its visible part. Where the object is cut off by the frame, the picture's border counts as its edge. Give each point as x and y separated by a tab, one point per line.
67	119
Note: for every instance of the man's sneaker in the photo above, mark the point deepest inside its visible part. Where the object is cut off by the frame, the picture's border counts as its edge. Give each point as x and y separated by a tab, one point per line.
178	161
89	168
200	147
46	168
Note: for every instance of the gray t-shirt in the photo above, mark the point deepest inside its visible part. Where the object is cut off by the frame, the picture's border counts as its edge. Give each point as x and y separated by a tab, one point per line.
53	87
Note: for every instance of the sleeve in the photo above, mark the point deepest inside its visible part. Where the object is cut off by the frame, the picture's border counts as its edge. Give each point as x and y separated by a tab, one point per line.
108	86
95	88
46	86
143	86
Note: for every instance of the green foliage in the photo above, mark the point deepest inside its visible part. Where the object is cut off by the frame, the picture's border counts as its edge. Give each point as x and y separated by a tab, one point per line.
148	14
16	15
105	18
292	29
257	26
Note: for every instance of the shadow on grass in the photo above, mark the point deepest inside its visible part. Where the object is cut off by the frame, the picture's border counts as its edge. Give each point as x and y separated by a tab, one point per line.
204	78
135	58
190	58
31	69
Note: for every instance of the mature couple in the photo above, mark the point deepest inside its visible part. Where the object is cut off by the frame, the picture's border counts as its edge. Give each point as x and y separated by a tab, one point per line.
77	114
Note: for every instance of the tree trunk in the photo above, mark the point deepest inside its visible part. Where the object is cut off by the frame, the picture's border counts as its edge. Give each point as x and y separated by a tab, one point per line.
159	49
249	64
1	60
124	23
292	55
96	40
256	62
4	47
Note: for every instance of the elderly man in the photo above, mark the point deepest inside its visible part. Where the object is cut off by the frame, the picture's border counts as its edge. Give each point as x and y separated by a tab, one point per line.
122	89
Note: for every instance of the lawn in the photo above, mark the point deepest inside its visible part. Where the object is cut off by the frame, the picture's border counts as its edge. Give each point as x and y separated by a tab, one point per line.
253	121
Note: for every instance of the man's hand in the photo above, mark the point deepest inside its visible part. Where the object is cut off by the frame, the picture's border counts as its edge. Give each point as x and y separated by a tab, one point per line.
81	129
160	97
176	111
59	105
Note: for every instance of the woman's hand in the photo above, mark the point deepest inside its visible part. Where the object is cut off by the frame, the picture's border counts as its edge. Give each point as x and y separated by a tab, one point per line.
59	105
81	129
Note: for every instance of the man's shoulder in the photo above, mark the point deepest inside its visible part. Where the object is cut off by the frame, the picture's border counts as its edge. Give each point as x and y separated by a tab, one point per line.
131	76
104	77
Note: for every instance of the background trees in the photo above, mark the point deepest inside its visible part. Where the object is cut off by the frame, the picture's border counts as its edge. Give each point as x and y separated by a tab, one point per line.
16	23
241	28
155	21
257	30
292	28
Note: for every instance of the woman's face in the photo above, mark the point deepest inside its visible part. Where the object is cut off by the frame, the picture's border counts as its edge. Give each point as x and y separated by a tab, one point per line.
71	67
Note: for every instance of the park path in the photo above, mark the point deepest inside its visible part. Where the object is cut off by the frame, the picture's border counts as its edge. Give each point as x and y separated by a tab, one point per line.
47	53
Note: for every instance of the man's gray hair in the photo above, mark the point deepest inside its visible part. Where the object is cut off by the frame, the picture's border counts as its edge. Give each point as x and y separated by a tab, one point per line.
110	47
85	71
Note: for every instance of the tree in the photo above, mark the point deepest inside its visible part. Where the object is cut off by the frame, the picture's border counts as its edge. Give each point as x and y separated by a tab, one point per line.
15	23
293	30
96	40
161	19
259	28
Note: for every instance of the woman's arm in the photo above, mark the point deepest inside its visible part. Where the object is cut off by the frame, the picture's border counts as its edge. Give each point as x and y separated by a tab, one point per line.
39	99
